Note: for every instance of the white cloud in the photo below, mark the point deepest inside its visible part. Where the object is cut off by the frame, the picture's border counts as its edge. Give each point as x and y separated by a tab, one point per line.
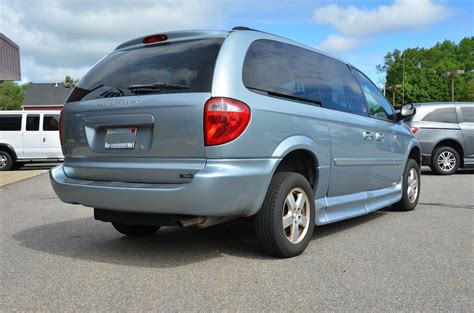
401	15
339	44
355	23
59	38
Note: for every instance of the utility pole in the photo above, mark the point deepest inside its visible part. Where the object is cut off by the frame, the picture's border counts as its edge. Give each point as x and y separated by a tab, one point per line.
392	88
403	80
452	74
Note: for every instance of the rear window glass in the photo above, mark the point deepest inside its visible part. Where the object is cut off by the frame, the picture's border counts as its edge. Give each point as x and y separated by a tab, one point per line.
281	69
468	114
185	66
10	122
50	122
444	115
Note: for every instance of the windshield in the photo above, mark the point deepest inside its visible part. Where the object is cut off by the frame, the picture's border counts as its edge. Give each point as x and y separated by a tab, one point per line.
185	66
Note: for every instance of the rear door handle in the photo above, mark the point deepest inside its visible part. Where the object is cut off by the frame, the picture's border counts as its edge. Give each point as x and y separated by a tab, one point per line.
120	120
369	136
379	137
44	139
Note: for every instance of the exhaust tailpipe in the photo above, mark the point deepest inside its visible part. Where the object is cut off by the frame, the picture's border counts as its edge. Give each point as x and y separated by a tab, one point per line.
214	220
189	221
204	221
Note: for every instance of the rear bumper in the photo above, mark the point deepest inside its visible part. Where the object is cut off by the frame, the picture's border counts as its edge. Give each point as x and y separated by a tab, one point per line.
221	188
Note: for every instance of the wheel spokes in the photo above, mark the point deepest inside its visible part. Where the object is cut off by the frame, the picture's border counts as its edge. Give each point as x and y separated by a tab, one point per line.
296	215
287	221
304	221
412	185
446	161
295	232
300	202
291	204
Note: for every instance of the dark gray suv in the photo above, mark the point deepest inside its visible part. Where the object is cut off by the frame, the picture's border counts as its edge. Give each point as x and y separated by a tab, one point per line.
446	135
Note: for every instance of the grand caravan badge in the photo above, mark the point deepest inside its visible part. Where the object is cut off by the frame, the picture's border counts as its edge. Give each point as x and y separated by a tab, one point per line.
118	102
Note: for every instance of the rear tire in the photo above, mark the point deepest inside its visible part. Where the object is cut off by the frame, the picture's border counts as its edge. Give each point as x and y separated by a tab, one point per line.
445	161
135	230
6	161
411	187
289	202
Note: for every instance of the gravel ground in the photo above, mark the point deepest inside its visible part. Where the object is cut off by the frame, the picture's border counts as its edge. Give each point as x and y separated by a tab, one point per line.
55	256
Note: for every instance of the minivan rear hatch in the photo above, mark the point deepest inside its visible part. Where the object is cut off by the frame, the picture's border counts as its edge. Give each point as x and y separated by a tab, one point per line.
137	116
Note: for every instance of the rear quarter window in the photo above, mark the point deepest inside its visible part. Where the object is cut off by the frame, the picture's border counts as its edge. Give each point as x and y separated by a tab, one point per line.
186	63
277	68
10	122
441	115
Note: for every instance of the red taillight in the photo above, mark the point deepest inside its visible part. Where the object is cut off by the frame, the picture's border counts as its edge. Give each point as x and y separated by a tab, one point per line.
155	38
60	128
414	129
224	120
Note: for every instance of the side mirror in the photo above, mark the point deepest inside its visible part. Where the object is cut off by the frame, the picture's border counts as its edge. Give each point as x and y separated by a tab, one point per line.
406	111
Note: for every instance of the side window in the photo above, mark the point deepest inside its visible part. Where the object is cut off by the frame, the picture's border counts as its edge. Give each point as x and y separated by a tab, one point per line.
32	122
443	115
50	122
280	69
343	94
377	105
468	114
10	122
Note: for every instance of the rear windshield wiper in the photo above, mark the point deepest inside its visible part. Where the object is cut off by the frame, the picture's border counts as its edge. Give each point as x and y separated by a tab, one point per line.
155	87
286	96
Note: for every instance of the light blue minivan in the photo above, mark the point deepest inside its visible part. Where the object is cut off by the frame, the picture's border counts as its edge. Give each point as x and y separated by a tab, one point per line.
200	127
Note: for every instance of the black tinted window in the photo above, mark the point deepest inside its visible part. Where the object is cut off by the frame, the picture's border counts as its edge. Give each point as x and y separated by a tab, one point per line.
50	122
32	122
10	122
468	114
377	105
444	115
279	68
189	64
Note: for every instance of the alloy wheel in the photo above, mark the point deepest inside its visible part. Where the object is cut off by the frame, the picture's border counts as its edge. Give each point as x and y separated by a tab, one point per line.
446	161
296	215
413	185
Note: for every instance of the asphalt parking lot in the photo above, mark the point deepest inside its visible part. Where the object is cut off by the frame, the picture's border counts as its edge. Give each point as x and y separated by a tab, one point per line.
55	256
25	172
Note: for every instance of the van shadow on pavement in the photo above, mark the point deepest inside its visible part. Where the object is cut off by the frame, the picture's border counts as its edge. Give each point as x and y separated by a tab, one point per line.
91	240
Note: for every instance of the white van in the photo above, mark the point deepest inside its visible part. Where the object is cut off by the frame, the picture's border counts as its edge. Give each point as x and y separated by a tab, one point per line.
27	137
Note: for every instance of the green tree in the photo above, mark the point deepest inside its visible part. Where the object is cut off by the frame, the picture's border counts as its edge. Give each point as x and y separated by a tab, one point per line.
69	80
470	90
12	95
421	71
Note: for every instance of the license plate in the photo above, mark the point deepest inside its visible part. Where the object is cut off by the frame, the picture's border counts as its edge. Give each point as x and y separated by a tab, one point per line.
120	138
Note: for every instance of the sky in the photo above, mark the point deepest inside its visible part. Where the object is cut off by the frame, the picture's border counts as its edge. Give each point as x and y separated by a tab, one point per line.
67	37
